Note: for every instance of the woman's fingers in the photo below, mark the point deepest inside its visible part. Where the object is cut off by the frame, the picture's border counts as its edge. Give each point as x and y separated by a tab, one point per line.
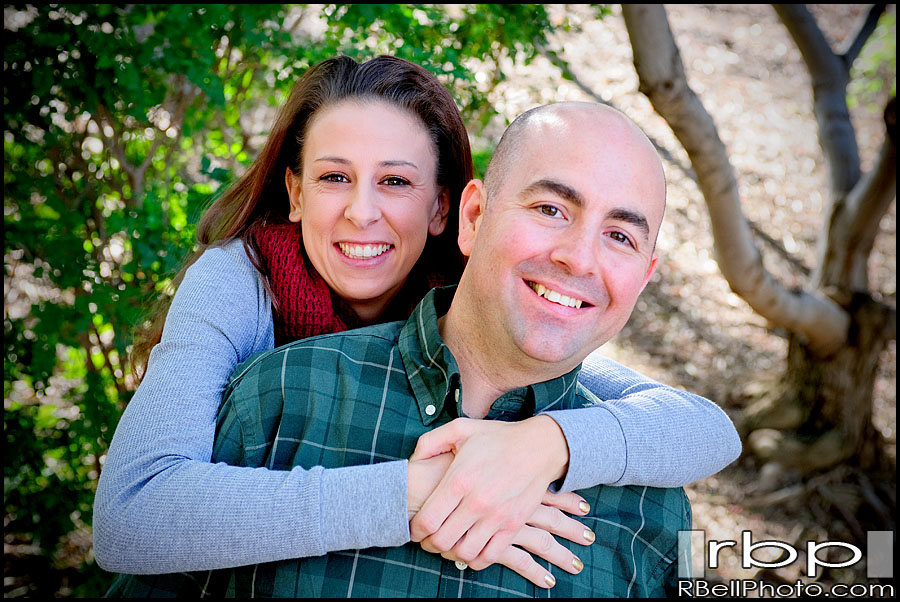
544	523
482	545
444	438
521	562
517	558
553	521
433	516
569	502
541	543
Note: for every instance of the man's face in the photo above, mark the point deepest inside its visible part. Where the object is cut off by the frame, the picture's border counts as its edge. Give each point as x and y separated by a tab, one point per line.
562	250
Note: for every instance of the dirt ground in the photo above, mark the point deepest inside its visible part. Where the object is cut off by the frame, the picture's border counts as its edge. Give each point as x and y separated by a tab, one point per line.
689	330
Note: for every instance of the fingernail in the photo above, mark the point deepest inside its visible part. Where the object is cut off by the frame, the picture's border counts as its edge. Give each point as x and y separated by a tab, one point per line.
585	507
589	535
576	562
549	580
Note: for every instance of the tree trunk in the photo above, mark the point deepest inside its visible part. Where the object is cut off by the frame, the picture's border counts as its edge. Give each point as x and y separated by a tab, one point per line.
819	414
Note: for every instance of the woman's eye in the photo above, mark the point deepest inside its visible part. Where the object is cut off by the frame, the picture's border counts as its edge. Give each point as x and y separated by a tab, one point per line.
549	210
334	177
396	181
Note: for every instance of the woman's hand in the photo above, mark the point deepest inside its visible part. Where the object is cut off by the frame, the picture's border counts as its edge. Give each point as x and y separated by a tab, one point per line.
497	480
422	476
537	537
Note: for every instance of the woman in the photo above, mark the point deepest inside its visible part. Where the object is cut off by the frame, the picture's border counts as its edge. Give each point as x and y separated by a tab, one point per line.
377	227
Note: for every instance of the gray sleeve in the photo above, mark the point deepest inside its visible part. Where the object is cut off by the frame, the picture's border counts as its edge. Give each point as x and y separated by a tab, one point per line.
644	433
162	506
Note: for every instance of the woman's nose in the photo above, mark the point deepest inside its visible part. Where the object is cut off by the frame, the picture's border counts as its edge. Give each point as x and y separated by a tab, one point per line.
362	207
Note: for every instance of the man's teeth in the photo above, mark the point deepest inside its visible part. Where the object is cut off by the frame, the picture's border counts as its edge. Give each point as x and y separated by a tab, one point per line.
362	251
546	293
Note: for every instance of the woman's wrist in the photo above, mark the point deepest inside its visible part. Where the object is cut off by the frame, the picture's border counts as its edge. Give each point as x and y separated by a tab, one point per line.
555	448
422	476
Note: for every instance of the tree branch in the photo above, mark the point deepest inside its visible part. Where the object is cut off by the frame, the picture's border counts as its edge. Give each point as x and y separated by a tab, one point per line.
829	82
658	63
866	204
105	351
115	146
866	27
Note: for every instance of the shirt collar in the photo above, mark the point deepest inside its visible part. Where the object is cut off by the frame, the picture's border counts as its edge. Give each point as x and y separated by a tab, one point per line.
434	374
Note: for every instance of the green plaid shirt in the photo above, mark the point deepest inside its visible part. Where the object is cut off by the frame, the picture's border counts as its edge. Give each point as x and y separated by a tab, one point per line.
365	396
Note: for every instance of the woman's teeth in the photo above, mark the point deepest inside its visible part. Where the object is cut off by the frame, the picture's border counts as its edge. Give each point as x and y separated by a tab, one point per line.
550	295
362	251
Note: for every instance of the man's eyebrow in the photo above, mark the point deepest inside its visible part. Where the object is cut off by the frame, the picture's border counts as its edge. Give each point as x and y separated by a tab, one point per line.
561	190
632	217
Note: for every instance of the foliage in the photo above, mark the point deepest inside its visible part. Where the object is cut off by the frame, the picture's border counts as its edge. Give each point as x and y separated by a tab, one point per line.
876	68
121	123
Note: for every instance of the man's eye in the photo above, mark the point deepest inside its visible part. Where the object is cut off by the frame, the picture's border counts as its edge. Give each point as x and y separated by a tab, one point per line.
619	237
549	210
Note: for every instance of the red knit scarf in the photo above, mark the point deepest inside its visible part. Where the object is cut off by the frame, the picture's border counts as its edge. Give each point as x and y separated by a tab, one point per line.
304	305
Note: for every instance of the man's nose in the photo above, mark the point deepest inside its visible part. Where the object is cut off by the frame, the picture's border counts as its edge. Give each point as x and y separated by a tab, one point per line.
362	207
577	252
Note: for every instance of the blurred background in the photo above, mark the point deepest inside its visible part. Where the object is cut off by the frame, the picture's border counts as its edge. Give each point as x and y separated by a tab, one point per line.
123	122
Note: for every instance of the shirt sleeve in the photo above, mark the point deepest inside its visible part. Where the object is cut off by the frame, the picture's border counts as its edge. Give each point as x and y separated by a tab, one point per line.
162	506
644	433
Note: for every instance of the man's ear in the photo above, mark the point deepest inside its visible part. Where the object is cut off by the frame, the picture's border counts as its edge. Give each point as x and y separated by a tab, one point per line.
471	210
653	262
295	195
442	210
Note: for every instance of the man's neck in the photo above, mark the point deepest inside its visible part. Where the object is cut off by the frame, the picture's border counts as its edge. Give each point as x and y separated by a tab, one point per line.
486	370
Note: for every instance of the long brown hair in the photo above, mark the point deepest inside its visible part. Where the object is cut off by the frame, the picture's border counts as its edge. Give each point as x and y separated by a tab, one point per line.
259	196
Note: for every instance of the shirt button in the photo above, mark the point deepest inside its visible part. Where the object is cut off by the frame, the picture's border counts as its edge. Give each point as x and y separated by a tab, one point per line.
461	565
430	410
456	394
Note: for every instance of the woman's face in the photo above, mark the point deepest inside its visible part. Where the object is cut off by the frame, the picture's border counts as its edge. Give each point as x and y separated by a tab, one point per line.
367	199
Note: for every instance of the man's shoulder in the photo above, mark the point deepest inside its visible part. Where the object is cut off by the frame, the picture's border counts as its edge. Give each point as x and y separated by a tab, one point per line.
584	397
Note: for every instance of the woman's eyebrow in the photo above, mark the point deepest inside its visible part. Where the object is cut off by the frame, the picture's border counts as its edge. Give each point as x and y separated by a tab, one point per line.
390	163
398	163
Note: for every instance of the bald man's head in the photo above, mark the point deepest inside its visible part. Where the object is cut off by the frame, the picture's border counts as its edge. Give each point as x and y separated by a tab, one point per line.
561	235
542	119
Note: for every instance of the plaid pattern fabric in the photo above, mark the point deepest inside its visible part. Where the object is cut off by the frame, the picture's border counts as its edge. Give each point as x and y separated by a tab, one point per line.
365	396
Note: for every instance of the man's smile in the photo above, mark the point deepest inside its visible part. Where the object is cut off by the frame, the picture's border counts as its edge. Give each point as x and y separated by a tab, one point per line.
556	297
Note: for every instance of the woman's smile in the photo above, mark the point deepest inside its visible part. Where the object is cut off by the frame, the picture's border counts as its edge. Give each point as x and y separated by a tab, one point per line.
363	251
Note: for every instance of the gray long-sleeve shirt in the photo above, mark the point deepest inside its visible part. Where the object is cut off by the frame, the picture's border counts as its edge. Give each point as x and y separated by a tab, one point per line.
162	506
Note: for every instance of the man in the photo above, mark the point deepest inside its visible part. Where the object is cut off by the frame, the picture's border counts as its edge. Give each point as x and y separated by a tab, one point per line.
561	241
